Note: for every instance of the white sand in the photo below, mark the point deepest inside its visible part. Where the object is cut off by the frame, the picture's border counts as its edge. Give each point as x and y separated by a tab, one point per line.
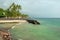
11	23
3	21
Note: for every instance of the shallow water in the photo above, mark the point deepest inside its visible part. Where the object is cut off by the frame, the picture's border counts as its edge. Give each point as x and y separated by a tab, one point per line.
48	30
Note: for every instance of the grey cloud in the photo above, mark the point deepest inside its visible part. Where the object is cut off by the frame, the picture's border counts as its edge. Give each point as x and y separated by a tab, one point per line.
40	8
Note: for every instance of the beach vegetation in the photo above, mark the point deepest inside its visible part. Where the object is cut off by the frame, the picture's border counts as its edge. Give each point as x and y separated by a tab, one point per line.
12	11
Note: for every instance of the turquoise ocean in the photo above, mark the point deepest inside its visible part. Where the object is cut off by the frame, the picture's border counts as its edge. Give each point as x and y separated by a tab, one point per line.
49	29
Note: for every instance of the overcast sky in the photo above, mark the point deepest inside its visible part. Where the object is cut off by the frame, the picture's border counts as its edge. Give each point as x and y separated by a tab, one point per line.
36	8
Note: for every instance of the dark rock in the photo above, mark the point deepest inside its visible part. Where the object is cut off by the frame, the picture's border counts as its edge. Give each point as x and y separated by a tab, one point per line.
33	21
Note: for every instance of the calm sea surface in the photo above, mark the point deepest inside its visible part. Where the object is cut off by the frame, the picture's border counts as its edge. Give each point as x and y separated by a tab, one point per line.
48	30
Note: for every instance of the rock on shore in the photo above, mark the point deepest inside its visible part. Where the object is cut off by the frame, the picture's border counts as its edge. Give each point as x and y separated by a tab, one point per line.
33	21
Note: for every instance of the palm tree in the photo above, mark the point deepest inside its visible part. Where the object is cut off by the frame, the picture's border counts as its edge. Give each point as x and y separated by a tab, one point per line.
2	12
14	9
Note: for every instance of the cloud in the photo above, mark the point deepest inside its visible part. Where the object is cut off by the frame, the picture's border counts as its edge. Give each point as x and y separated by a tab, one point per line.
43	8
6	3
40	8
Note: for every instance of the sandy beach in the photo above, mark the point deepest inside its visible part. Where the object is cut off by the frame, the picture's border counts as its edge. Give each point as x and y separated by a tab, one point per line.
7	21
11	23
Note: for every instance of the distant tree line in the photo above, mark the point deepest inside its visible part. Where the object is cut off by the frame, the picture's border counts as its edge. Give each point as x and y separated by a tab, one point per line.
12	11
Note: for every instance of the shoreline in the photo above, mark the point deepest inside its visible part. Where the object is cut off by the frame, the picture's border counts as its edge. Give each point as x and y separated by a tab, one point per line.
20	21
12	21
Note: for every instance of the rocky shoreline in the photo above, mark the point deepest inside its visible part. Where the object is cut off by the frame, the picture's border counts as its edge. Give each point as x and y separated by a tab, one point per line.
33	22
5	34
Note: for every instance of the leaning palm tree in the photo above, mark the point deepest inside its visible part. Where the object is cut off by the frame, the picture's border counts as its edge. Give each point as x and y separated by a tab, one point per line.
14	9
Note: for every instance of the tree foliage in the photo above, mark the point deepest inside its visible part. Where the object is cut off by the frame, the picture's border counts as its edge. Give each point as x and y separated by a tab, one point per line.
2	13
12	11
